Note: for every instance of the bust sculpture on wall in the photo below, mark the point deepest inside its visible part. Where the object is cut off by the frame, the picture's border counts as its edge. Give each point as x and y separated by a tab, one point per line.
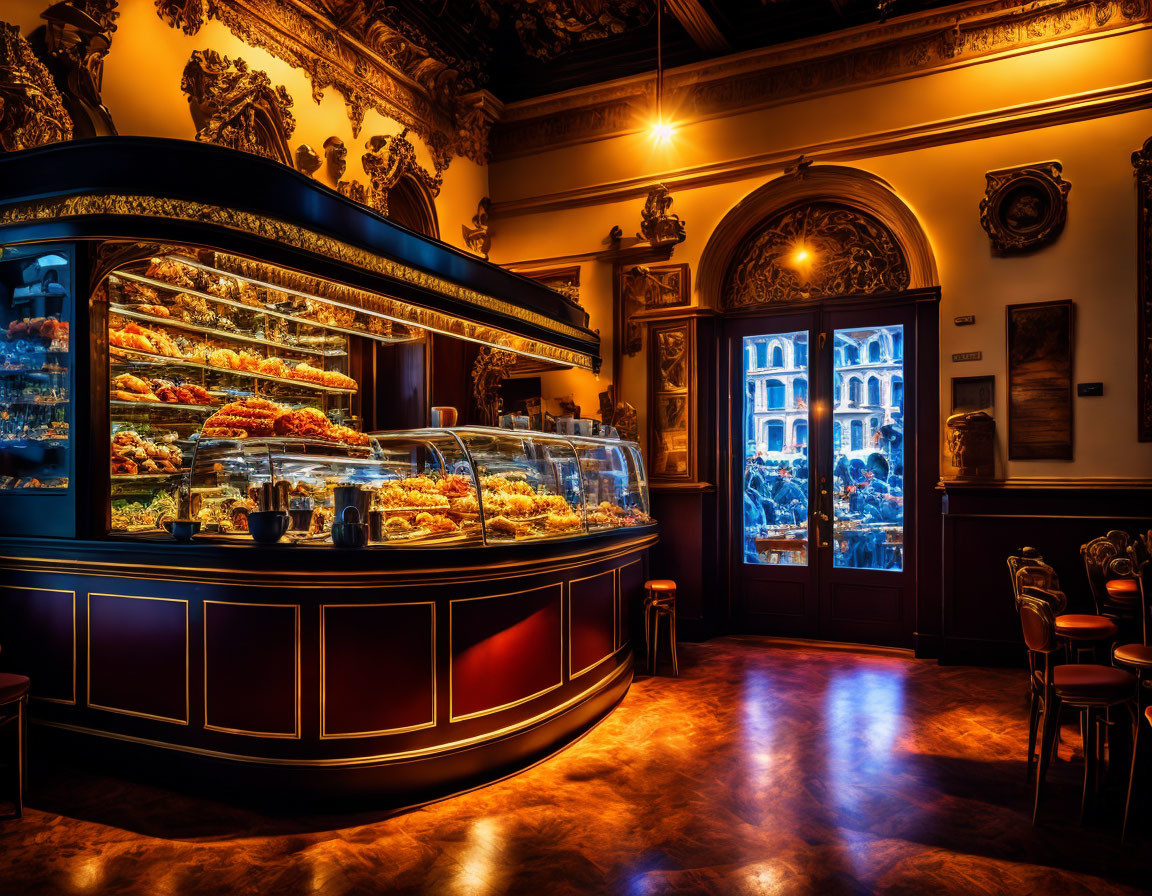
1025	207
657	224
971	440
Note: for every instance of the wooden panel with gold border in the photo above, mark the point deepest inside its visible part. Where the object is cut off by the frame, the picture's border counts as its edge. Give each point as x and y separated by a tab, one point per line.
252	669
400	698
141	655
590	640
43	652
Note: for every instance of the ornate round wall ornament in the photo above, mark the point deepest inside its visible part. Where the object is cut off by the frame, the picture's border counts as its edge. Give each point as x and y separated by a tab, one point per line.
1024	208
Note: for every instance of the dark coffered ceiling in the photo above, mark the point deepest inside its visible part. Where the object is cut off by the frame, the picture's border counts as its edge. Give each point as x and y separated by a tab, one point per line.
525	48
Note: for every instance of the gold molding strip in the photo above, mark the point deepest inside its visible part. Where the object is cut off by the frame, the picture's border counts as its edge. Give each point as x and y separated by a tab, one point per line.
88	662
290	578
273	229
962	128
452	717
903	48
403	756
71	702
295	734
324	735
615	615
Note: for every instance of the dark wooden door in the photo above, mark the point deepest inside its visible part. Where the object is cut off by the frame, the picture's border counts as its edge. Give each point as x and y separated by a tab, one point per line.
822	478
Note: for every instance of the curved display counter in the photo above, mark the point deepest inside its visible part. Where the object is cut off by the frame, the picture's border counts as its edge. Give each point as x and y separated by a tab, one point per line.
384	673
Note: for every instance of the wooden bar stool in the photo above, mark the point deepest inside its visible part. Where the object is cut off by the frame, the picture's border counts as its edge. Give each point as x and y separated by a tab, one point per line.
1132	773
13	704
659	601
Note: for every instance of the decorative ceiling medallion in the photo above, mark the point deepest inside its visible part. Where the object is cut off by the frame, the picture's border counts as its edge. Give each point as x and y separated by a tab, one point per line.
32	111
237	107
1024	208
815	251
548	29
389	158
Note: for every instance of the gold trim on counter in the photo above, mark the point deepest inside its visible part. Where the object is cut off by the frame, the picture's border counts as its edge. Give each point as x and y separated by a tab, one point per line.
402	756
295	734
324	735
88	661
290	234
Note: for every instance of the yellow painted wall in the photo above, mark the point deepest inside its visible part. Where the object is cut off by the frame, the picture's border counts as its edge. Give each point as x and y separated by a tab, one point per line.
1092	263
142	91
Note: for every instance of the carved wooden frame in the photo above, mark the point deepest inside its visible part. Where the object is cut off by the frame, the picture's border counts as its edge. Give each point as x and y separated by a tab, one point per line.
687	325
1043	181
1019	449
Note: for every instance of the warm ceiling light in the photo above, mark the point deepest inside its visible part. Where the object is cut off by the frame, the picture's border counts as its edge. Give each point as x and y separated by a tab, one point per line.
662	131
802	257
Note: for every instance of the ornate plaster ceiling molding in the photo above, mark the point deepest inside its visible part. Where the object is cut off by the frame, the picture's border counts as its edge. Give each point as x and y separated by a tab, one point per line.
32	111
388	159
238	107
844	60
369	63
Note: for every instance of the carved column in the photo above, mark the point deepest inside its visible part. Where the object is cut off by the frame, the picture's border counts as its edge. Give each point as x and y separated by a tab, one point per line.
1142	162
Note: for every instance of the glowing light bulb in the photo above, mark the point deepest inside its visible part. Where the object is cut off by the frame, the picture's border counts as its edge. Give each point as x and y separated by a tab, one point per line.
662	131
801	256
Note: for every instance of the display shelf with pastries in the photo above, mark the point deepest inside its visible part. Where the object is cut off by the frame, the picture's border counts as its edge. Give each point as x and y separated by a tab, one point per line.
35	371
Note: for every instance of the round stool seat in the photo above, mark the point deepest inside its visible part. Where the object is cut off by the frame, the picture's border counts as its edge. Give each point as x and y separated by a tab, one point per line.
660	585
1134	655
1091	682
1085	627
1122	588
12	687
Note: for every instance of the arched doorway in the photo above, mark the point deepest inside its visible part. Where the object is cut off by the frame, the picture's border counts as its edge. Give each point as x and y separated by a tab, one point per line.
828	535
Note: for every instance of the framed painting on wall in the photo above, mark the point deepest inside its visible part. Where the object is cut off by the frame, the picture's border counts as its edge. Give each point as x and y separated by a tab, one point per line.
1040	340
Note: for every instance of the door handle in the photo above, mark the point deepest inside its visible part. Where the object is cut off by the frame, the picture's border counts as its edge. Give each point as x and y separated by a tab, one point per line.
823	517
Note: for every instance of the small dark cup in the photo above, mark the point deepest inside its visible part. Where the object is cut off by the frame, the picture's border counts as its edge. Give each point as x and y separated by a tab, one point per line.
267	526
182	530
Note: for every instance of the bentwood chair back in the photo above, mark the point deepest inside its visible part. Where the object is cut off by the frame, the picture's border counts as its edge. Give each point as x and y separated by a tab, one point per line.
1115	593
1090	688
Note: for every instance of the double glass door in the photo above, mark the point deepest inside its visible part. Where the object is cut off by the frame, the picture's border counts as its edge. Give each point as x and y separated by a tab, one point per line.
821	478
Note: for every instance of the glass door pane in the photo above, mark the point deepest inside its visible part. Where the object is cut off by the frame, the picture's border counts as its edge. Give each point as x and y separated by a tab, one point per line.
868	447
776	428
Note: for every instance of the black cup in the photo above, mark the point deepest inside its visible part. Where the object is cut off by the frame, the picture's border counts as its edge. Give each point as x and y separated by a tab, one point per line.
182	530
267	526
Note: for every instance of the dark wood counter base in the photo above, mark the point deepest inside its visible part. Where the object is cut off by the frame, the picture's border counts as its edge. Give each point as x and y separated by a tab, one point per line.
321	675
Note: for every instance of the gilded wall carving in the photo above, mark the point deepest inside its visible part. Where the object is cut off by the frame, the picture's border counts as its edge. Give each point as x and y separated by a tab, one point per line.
237	107
1142	163
643	288
478	237
815	251
1024	207
906	44
657	223
492	367
389	158
77	37
32	111
371	61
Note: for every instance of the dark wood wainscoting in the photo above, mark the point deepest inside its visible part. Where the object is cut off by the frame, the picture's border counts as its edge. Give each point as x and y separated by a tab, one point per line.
688	552
985	522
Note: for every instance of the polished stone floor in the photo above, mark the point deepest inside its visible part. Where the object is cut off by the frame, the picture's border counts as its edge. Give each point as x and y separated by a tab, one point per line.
765	768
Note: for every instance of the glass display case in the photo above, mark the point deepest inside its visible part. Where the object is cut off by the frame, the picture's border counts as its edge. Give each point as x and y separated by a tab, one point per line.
35	368
195	348
465	486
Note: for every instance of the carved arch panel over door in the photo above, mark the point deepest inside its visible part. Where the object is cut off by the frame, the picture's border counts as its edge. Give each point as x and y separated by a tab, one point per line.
869	235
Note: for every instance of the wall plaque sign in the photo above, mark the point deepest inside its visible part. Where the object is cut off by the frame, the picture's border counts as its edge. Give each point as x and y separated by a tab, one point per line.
967	356
1040	381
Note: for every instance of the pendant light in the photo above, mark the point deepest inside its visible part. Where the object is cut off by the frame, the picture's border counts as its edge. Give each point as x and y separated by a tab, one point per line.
662	130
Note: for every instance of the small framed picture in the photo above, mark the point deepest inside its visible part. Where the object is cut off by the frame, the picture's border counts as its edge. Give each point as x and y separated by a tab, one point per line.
973	393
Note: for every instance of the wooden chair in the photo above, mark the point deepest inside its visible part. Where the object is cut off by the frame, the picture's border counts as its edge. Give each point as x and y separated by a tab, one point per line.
1115	595
13	711
1087	687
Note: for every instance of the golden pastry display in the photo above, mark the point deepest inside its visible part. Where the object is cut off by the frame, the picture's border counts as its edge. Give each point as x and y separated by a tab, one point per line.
133	454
